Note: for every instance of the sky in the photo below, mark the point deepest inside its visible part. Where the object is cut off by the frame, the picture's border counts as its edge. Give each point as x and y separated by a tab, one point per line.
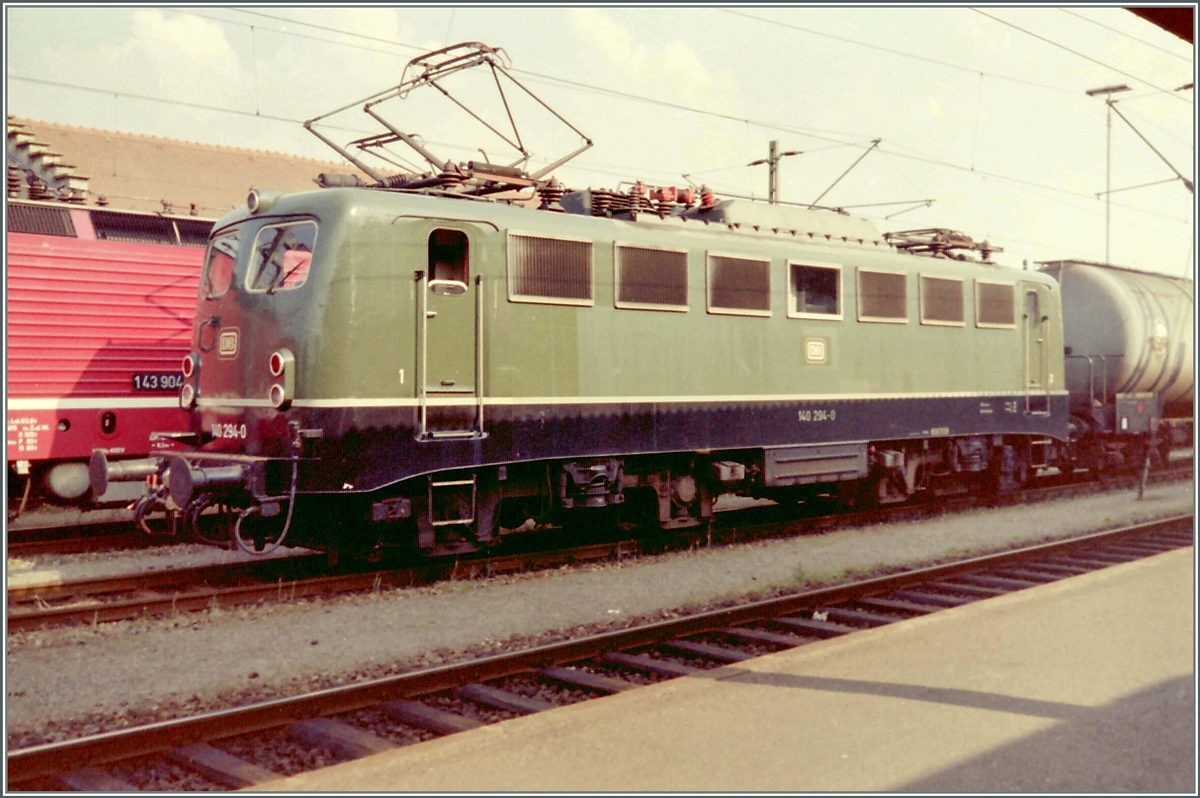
983	111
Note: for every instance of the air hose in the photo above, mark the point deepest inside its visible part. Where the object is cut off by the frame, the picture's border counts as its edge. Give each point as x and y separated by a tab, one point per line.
249	511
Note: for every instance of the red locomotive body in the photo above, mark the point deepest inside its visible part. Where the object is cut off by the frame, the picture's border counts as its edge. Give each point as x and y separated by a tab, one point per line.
99	316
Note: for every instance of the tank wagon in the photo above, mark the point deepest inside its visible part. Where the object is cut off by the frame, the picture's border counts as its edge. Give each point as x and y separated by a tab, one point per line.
387	367
99	314
1128	338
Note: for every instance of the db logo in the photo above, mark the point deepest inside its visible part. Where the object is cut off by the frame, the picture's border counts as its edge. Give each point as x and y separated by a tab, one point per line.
814	350
227	343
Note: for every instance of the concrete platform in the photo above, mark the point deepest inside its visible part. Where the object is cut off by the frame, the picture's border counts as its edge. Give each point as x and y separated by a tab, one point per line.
1084	685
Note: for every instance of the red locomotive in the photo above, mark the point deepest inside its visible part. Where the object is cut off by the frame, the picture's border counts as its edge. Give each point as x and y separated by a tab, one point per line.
99	315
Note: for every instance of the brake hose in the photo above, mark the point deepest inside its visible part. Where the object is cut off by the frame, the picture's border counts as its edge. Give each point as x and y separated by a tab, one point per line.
249	511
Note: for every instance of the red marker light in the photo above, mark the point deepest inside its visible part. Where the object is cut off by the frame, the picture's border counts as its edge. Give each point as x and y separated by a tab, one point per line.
276	364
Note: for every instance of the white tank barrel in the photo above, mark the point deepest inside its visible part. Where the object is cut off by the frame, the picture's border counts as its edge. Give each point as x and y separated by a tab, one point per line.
1126	331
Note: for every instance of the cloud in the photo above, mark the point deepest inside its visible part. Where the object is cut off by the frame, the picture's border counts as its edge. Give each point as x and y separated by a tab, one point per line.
674	72
175	52
632	136
186	37
612	39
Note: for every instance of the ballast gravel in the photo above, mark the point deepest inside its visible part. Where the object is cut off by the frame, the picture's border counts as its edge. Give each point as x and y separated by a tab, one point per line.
63	683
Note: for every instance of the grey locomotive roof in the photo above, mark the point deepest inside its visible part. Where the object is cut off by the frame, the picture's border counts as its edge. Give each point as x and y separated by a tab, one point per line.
780	218
764	225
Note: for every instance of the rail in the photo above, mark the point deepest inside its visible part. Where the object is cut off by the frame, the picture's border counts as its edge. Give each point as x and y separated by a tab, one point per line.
828	613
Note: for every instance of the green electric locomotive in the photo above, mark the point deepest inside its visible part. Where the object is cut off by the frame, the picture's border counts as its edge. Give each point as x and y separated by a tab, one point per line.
424	369
434	359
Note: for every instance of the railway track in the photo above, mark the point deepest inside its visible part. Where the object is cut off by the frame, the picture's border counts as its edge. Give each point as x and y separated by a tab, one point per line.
161	593
108	599
76	539
251	744
94	532
107	530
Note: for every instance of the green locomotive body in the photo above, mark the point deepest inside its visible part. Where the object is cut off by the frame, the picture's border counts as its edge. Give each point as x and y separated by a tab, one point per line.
425	370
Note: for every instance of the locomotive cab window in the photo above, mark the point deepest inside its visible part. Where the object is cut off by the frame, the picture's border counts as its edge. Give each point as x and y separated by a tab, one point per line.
816	291
942	301
449	268
554	271
281	257
994	305
654	279
739	286
218	268
882	296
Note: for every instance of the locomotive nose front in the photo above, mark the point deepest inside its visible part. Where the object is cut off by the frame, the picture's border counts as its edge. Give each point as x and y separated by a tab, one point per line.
242	373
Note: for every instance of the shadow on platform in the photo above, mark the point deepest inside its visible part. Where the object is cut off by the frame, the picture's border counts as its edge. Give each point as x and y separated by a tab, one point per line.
1142	743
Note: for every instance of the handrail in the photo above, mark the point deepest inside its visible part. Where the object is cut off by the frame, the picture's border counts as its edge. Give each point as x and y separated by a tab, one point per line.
479	354
1092	375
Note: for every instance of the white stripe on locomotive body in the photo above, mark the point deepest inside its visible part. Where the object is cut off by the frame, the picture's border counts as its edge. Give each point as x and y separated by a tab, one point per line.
467	401
210	402
95	403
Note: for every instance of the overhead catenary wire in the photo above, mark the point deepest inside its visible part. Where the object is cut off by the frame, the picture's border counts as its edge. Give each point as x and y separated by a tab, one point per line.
893	51
919	157
612	92
758	123
1143	120
1126	35
814	132
250	114
818	133
207	107
1082	55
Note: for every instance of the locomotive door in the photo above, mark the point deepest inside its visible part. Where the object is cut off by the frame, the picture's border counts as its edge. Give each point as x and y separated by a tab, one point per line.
1037	364
450	331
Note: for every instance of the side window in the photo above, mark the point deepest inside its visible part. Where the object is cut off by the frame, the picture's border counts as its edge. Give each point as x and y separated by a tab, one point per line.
282	257
218	268
994	305
739	286
553	271
942	301
656	279
816	291
882	296
449	264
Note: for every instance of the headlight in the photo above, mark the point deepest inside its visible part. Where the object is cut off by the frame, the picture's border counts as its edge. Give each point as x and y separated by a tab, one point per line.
283	368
